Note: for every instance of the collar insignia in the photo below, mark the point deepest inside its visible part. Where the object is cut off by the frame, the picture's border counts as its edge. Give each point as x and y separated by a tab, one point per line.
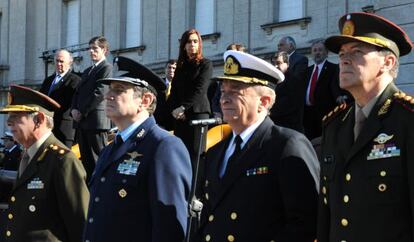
385	107
141	133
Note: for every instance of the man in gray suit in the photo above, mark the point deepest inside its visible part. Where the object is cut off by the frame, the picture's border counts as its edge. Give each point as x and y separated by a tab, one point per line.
88	107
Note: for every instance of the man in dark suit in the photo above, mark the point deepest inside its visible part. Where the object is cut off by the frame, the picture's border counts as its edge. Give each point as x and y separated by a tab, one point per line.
162	114
261	182
367	181
288	108
142	179
88	106
61	86
297	62
49	198
322	90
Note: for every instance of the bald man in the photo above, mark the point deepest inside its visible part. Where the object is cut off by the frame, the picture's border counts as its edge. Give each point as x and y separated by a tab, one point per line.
61	86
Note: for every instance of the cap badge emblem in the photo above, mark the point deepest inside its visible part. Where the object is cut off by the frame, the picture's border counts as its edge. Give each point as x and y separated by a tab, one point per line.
348	28
231	67
9	99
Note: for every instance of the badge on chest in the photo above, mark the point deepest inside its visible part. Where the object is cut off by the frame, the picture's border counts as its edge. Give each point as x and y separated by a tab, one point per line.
36	183
383	148
130	165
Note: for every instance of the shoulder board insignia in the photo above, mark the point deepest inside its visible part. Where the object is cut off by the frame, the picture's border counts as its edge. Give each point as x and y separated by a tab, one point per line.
338	109
405	100
58	149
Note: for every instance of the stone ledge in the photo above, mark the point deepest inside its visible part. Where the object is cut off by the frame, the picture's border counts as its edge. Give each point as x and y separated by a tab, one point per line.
302	22
139	49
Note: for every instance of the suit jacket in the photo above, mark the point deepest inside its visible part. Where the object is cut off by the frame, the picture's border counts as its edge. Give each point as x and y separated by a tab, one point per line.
326	92
89	98
49	200
189	88
288	108
368	185
297	65
139	189
63	93
269	194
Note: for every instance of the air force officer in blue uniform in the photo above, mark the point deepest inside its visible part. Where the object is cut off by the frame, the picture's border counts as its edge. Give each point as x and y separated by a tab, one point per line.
141	181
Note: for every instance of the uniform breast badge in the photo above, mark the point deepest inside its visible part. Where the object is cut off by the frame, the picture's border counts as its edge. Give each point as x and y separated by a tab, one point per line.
257	171
36	183
130	165
383	149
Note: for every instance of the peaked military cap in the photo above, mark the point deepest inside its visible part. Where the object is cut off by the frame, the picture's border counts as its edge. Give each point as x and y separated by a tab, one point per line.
244	67
371	29
7	135
132	72
25	99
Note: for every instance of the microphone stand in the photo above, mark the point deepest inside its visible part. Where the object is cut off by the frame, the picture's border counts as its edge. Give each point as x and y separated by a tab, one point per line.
194	205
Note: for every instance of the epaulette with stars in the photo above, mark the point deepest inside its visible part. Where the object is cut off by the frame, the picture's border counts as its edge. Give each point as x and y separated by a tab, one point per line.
405	100
337	110
55	148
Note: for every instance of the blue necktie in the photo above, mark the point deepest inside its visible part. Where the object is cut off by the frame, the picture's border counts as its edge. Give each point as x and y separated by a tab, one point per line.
226	166
52	86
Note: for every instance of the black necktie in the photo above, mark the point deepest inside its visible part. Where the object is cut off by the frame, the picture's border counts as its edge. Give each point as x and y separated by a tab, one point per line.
117	143
230	162
90	71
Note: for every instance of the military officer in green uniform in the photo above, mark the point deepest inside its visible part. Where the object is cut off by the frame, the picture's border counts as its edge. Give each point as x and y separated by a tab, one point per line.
49	199
367	162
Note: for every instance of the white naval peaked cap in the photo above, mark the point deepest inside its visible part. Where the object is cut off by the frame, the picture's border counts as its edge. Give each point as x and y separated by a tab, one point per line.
247	68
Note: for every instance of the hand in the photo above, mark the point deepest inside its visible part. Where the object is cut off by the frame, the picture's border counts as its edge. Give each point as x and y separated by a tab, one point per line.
178	113
76	115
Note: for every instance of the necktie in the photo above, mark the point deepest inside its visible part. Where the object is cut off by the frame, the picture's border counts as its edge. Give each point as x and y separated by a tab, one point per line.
226	166
359	122
24	163
117	143
168	91
52	86
314	79
90	71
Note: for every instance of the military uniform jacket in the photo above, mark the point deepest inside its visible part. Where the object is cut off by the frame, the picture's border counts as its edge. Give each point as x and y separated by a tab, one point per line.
269	195
139	190
367	186
49	200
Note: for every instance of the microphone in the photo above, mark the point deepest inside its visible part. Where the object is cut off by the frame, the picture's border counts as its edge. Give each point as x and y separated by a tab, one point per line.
207	121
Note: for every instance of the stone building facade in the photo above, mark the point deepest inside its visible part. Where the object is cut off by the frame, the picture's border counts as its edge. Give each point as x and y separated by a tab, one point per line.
149	30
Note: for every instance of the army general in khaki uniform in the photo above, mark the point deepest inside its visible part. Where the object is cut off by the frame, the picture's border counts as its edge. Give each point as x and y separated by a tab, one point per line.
367	179
49	199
